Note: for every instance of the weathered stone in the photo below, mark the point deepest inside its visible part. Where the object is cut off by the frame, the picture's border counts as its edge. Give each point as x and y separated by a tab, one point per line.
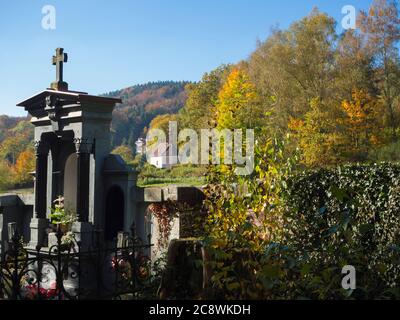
153	195
9	200
58	61
38	232
83	233
52	239
26	198
190	195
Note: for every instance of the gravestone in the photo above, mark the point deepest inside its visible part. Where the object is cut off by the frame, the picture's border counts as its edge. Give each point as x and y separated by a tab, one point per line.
72	147
72	143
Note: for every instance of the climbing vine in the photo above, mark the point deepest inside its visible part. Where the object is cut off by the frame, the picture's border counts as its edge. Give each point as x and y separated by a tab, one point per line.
165	213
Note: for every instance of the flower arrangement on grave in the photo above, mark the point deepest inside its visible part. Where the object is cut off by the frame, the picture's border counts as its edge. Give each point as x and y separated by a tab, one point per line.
31	291
144	270
122	267
68	238
61	216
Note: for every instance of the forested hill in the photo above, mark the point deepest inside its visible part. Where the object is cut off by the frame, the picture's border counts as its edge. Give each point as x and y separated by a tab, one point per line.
141	104
6	124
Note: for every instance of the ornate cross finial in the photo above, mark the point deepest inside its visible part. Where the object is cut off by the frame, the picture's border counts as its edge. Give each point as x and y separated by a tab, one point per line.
58	61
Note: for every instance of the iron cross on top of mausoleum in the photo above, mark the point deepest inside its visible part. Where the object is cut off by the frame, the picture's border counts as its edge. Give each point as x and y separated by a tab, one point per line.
58	61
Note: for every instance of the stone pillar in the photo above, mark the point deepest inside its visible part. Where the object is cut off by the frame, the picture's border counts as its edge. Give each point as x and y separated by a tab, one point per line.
39	223
83	150
82	228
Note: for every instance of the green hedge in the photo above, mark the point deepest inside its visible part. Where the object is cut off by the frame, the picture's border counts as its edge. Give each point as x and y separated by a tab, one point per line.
347	215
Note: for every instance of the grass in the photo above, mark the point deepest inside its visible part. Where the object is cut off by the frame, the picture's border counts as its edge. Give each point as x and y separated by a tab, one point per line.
162	182
181	175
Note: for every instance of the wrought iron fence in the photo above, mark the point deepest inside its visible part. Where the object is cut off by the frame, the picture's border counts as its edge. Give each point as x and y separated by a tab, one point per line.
70	271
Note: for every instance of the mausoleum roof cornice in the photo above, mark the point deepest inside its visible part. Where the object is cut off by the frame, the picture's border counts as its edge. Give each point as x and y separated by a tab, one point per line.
39	100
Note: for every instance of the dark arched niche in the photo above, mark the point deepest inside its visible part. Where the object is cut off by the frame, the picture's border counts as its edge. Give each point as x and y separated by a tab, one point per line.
115	206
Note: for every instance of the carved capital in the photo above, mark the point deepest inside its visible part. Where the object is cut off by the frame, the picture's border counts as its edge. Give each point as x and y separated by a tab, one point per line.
83	145
52	104
52	108
41	148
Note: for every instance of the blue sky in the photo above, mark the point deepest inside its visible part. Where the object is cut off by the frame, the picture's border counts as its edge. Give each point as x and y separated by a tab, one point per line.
119	43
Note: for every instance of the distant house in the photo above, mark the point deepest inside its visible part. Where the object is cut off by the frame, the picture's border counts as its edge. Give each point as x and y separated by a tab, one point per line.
160	157
140	146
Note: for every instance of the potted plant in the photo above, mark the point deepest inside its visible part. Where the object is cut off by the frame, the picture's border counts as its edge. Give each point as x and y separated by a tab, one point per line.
61	219
61	216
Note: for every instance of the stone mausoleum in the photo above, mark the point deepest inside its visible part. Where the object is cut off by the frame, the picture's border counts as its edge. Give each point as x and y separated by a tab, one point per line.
72	144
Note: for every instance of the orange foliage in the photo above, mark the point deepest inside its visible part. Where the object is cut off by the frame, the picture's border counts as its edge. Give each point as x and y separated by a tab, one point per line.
295	124
24	165
362	119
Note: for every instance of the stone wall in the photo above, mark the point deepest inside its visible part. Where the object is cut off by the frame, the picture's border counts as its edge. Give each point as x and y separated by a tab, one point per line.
191	196
15	208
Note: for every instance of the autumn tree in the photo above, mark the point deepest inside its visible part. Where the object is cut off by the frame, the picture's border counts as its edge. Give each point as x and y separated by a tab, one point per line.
23	168
19	139
239	105
380	28
198	111
318	136
361	121
354	67
295	66
162	122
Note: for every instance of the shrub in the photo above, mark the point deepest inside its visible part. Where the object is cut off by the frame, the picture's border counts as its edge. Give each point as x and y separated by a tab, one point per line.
362	200
290	237
389	152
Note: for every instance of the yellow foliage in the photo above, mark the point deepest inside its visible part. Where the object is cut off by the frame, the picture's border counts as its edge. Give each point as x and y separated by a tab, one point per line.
162	122
317	136
295	124
362	119
327	138
239	104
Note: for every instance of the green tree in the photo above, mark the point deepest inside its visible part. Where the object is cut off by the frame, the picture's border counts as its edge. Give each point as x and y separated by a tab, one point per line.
296	66
198	112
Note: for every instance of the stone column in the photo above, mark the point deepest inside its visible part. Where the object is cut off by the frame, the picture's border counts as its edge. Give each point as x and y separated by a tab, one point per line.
83	150
39	223
82	228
